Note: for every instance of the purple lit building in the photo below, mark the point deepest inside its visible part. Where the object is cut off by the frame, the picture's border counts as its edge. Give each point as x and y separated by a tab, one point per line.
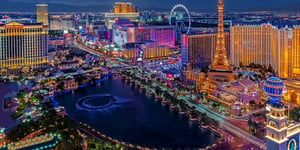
126	32
243	91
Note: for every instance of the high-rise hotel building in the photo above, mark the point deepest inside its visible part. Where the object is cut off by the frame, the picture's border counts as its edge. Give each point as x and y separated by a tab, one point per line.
22	46
197	49
122	10
62	22
296	53
285	52
42	13
263	44
253	44
130	33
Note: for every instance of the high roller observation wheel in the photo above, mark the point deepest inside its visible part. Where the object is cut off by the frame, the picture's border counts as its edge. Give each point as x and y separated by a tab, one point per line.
186	10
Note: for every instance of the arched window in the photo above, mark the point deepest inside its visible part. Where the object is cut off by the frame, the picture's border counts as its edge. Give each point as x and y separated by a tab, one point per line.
282	125
272	124
278	115
292	145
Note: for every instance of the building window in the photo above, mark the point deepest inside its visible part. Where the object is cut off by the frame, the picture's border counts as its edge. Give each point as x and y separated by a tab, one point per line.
272	124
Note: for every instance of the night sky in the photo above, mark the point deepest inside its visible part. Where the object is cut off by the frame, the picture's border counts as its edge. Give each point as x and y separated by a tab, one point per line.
106	5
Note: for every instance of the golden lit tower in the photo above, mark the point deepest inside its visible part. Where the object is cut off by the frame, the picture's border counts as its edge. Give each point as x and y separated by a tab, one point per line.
220	60
121	10
296	52
42	13
23	46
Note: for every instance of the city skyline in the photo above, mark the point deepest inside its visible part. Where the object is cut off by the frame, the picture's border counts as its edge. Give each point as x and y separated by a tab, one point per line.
102	6
149	74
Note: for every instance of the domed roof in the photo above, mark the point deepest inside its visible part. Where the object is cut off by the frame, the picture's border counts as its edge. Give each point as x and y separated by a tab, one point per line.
274	81
274	87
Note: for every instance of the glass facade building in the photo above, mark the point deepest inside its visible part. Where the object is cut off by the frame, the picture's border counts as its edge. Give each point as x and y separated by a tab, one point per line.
197	50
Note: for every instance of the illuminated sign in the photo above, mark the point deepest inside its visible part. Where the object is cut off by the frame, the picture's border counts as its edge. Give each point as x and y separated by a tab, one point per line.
170	76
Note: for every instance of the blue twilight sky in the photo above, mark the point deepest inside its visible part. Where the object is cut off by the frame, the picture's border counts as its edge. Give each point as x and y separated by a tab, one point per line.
106	5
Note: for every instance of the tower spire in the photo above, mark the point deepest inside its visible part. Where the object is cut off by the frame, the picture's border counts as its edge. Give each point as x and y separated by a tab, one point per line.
220	60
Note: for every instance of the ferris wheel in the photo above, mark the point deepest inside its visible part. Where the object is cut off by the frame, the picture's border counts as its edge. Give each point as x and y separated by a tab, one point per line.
183	26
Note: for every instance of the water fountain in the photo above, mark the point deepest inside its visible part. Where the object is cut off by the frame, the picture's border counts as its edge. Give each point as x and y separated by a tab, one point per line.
99	102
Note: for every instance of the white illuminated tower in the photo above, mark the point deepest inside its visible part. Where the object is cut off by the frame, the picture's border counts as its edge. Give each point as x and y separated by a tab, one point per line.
277	130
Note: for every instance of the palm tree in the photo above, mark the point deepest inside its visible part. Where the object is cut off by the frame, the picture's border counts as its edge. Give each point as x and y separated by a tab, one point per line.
142	81
158	90
149	83
167	95
61	86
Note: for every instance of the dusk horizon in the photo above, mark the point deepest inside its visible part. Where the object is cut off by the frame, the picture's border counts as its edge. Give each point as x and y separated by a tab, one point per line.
97	6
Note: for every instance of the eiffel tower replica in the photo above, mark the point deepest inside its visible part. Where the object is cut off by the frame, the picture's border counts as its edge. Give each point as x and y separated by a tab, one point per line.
220	69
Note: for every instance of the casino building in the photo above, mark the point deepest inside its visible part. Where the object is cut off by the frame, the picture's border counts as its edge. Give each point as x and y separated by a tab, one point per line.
151	50
122	10
265	45
197	49
281	135
125	31
22	46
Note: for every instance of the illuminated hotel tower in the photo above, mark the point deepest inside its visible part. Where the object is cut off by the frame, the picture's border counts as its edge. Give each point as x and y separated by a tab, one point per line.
296	52
23	46
122	10
220	60
265	45
42	13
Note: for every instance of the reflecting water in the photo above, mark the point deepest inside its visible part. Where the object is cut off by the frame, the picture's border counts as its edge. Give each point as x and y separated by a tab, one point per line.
134	117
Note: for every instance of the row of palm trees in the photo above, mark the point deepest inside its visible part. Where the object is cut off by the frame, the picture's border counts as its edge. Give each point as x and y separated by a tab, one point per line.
169	96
